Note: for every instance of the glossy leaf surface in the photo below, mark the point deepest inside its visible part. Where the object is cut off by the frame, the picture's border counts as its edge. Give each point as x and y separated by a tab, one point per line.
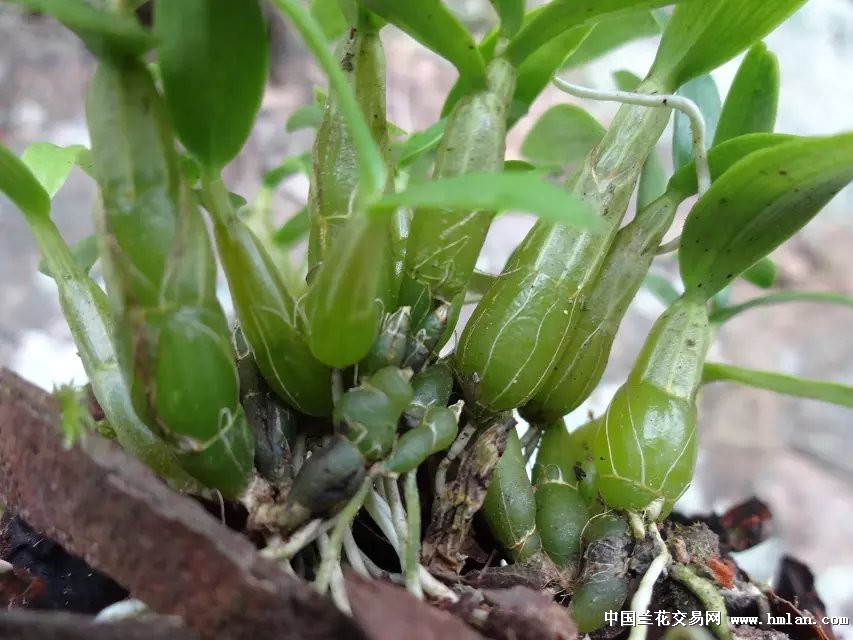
213	112
758	204
753	98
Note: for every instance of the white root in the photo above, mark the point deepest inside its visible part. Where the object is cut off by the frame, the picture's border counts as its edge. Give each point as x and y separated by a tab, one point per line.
643	597
673	101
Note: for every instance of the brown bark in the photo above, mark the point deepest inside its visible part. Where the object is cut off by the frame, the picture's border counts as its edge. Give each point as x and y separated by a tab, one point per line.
29	625
102	505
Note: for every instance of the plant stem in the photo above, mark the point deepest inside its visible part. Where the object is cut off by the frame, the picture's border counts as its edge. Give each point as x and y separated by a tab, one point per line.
685	105
413	544
455	449
708	595
371	167
531	440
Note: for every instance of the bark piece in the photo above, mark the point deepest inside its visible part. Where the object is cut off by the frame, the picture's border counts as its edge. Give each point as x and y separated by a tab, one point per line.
388	612
29	625
108	508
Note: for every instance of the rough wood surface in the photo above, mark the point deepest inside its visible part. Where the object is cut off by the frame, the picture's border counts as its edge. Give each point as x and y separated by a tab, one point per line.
111	510
30	625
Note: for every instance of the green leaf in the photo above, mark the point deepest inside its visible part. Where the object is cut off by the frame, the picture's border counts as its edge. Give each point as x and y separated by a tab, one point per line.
290	166
751	103
535	73
703	91
722	315
480	282
626	81
85	254
722	157
294	230
371	164
419	143
762	274
612	33
558	16
51	164
532	75
329	16
758	204
832	392
307	117
703	35
653	181
518	165
511	14
434	26
562	136
661	288
104	33
21	187
515	191
213	60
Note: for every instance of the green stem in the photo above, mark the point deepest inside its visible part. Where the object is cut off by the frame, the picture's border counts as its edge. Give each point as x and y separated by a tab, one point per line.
217	200
413	544
708	595
727	313
86	310
371	167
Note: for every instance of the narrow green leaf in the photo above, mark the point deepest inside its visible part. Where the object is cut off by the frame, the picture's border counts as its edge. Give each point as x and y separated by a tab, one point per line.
626	81
653	180
329	16
722	315
562	136
104	33
612	33
703	35
294	230
371	165
832	392
762	274
480	282
213	60
290	166
753	99
661	288
515	191
419	143
511	14
518	165
532	75
722	157
434	26
558	16
307	117
51	164
758	204
85	254
703	91
535	73
21	187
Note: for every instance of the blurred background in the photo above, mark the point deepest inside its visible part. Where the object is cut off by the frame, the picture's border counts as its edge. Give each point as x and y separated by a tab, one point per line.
796	455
